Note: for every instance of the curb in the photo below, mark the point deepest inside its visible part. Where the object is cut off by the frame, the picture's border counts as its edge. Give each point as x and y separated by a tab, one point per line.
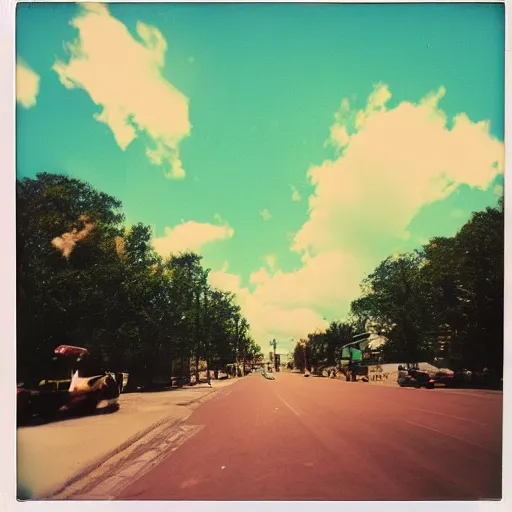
98	462
51	495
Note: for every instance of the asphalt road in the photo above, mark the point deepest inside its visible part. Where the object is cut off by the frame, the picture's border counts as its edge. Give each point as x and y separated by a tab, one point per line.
320	439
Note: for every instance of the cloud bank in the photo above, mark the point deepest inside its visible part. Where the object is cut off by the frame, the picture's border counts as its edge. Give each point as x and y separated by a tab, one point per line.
389	163
123	75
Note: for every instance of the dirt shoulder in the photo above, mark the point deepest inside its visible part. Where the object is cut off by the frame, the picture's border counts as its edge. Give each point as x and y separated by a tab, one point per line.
51	455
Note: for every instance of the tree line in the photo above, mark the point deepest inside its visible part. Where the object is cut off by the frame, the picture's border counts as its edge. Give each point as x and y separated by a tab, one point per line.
443	303
86	278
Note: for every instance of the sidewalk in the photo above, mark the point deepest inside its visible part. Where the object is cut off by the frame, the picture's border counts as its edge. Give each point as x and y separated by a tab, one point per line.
51	454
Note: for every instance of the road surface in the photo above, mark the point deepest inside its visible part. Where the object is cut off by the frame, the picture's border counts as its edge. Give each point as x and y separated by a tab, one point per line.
50	453
320	439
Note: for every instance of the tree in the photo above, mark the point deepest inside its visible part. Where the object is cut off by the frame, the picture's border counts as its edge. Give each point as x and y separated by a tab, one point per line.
480	245
337	335
85	278
444	302
463	280
64	228
189	289
300	355
393	301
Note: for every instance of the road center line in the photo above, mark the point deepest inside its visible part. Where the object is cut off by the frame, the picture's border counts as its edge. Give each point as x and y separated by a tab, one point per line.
451	416
447	435
288	405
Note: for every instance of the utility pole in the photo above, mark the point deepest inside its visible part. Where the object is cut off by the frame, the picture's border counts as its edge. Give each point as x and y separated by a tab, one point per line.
206	335
303	344
273	344
237	319
197	333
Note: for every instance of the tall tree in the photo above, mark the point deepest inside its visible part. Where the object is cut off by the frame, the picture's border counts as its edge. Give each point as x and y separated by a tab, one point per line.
393	300
337	335
64	229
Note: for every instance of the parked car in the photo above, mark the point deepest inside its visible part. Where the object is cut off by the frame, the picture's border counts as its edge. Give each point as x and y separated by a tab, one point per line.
424	375
82	392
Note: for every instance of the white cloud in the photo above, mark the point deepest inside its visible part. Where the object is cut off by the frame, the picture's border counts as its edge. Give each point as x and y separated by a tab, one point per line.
397	161
190	236
224	280
124	76
27	85
390	163
265	214
267	319
309	286
296	197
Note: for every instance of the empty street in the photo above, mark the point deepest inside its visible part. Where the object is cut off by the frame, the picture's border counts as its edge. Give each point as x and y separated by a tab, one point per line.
299	438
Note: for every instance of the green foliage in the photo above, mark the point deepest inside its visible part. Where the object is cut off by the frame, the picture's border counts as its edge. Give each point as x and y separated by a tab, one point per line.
446	302
443	304
395	303
298	355
464	285
321	349
110	292
337	335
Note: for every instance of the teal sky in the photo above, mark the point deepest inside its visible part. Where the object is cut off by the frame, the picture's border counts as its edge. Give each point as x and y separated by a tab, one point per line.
263	84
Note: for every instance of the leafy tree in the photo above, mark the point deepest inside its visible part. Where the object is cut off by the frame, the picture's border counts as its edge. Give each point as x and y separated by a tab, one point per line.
300	355
51	303
445	302
464	285
337	335
86	279
394	302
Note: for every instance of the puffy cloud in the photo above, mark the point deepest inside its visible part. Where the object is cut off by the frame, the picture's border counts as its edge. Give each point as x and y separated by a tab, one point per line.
224	280
393	162
265	214
296	197
190	236
390	163
27	85
267	319
123	75
288	305
308	287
